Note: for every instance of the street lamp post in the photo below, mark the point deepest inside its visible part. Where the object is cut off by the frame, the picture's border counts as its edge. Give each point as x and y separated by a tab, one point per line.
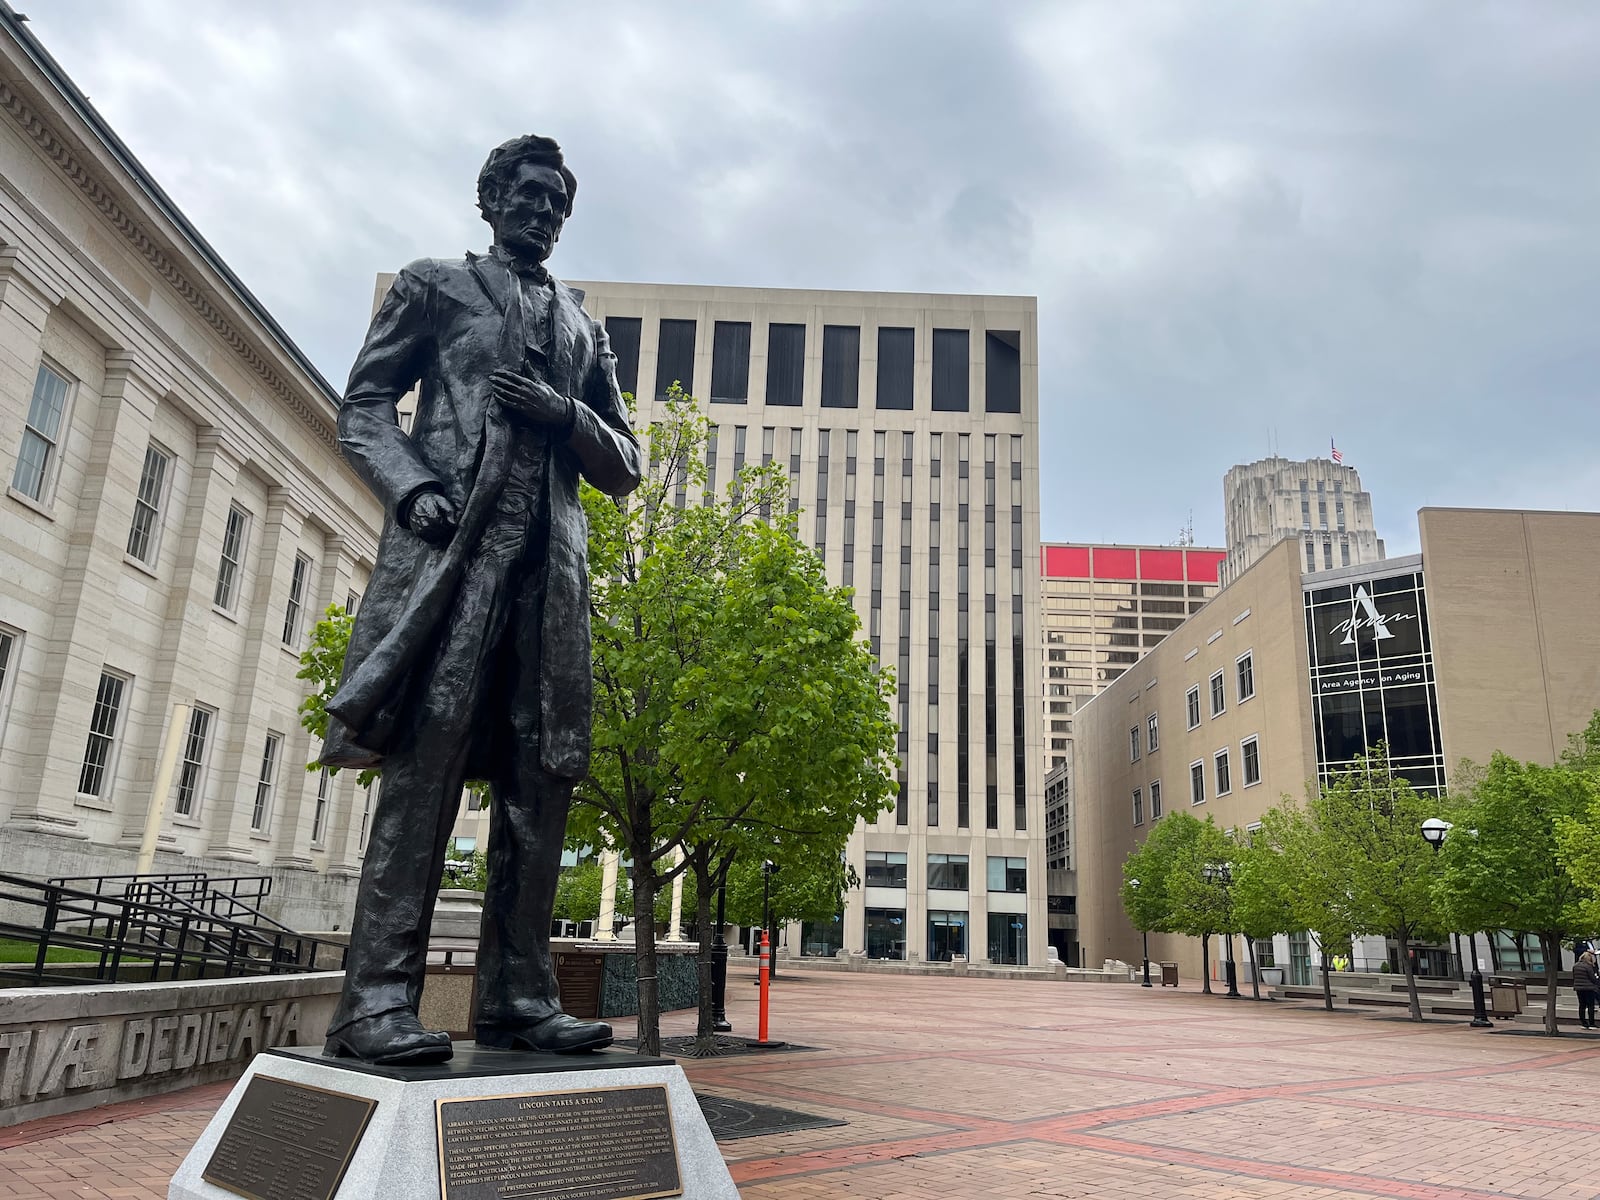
1222	873
1434	831
1144	934
719	964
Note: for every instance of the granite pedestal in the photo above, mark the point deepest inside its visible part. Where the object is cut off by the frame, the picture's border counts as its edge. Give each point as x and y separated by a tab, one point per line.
398	1157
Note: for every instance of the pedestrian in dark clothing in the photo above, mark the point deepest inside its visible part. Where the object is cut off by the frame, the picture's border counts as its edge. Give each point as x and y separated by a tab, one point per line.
1586	979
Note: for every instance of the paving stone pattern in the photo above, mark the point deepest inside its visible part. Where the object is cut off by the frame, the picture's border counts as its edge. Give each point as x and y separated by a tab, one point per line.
955	1088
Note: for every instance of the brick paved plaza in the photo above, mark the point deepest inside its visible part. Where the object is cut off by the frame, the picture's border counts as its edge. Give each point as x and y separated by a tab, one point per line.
968	1088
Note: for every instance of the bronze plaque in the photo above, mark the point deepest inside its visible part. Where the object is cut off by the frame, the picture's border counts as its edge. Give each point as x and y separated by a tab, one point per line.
287	1141
579	978
604	1144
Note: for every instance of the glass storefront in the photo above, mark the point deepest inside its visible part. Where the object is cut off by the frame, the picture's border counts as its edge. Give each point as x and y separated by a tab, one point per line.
1008	939
947	935
1372	676
822	939
886	933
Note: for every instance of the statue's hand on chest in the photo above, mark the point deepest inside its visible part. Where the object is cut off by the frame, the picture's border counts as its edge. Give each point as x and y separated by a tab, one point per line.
531	400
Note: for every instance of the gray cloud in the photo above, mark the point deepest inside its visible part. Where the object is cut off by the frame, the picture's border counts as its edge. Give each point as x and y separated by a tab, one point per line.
1362	220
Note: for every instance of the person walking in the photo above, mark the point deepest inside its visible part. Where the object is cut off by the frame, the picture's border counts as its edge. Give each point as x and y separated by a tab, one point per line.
1586	980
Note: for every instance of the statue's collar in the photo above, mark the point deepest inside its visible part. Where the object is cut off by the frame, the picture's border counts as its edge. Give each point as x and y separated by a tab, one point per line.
532	272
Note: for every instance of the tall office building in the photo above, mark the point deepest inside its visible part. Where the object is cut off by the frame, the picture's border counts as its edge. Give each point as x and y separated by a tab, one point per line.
1318	502
908	424
1105	607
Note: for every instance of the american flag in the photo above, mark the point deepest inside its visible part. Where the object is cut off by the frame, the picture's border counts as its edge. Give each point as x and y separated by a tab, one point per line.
1337	457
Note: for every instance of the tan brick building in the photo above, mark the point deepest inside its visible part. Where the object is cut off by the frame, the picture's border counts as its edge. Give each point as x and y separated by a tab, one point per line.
1483	642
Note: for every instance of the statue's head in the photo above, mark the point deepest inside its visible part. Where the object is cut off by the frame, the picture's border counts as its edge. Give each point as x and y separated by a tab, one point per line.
525	193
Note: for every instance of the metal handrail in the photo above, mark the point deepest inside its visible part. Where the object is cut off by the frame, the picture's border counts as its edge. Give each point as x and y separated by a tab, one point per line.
163	940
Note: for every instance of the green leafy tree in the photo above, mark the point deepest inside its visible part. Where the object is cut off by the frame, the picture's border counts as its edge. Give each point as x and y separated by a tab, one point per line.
1200	898
1578	836
321	665
1149	902
1368	824
1500	864
1307	877
734	699
1264	886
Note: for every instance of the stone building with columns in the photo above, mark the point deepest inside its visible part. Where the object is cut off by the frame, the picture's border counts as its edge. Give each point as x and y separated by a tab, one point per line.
176	514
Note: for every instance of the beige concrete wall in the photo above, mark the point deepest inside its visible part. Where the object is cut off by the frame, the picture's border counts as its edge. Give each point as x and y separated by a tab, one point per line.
1512	609
1262	615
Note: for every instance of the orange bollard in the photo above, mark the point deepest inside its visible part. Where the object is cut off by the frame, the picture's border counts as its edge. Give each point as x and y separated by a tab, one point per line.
765	981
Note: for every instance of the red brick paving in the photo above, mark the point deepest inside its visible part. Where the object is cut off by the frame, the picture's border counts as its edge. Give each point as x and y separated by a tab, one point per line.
958	1088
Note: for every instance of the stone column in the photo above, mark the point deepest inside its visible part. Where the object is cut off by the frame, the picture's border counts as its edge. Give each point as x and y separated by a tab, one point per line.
82	636
605	929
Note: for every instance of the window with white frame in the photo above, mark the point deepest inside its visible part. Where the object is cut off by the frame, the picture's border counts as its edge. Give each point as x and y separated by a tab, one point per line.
39	456
105	723
1133	743
352	601
1155	799
266	781
144	535
10	642
1192	701
366	816
1224	780
192	770
233	543
1197	782
1153	741
1138	807
1219	695
1247	676
319	816
297	597
1250	755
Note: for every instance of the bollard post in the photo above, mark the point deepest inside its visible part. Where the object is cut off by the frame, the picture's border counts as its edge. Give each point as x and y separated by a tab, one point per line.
765	981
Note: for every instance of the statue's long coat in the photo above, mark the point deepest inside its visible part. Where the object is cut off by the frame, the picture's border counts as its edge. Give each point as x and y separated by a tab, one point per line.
448	325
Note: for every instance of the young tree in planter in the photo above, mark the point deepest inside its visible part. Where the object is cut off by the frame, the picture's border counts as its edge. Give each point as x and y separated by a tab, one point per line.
731	691
1263	896
1500	865
1369	828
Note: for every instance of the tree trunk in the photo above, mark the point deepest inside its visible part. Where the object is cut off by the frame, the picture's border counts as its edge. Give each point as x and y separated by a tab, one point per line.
1520	940
1205	964
702	916
1494	951
1327	974
1551	945
1410	967
645	886
1255	974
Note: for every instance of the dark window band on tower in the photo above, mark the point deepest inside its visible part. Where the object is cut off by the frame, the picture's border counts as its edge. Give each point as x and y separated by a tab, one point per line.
625	334
963	653
675	357
730	362
786	364
841	365
824	436
1019	695
710	493
896	368
875	611
935	451
907	446
1002	373
951	358
849	578
991	716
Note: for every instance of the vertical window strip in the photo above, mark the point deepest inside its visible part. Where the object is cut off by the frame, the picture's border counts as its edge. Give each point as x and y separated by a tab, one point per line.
192	769
147	505
103	722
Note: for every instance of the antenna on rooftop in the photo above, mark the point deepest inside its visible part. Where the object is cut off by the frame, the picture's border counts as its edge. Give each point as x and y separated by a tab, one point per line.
1186	534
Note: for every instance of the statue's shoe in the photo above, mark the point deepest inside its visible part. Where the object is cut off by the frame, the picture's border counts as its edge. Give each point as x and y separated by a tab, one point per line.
556	1034
391	1037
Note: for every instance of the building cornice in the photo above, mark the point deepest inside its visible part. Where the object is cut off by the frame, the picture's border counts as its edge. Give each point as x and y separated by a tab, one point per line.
317	417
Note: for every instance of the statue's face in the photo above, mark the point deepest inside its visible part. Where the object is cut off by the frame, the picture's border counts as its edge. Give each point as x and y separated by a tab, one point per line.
529	211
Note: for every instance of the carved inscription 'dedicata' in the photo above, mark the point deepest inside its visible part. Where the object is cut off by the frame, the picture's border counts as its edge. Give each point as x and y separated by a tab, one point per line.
604	1144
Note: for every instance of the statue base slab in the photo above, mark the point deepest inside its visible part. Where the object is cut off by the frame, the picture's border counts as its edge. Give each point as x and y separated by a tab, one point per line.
607	1126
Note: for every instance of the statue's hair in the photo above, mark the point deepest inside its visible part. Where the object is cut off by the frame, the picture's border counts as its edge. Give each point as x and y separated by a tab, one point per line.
505	159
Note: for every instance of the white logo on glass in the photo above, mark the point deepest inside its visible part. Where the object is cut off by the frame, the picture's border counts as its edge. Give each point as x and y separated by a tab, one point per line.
1368	618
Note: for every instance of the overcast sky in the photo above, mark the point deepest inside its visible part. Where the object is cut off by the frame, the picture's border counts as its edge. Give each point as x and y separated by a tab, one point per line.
1369	221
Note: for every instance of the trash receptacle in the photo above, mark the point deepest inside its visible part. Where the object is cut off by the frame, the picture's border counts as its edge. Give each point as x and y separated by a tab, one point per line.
1169	974
1507	996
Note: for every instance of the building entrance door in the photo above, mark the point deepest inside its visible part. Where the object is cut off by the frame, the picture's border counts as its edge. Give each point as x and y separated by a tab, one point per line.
947	935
